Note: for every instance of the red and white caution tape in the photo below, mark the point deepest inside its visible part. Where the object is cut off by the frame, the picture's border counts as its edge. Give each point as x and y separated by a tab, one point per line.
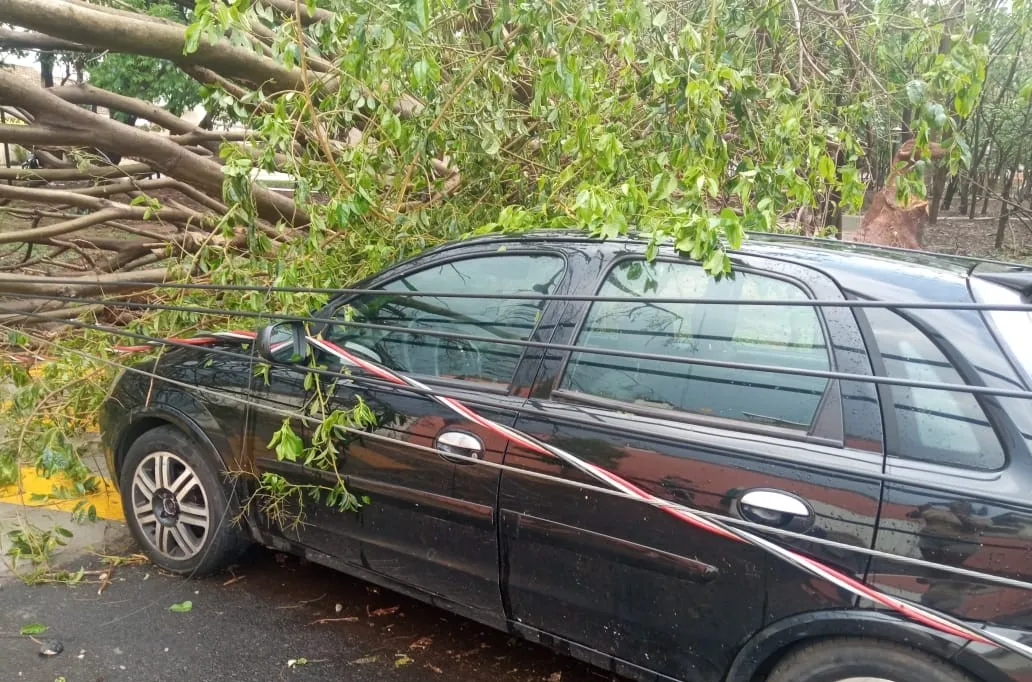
917	613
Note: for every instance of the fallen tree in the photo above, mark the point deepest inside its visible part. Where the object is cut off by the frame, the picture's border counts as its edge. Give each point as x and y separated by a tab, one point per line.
398	126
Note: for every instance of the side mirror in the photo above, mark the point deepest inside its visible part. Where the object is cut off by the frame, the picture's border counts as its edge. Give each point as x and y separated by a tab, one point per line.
274	338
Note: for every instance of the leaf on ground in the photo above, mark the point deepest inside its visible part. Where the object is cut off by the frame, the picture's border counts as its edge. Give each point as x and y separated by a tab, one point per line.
33	629
421	643
181	607
297	661
401	660
366	660
384	611
434	669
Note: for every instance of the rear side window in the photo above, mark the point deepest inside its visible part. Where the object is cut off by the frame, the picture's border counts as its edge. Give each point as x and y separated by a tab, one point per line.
783	336
932	425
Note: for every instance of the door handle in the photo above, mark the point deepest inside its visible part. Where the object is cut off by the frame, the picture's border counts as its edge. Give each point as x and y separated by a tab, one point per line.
460	447
776	508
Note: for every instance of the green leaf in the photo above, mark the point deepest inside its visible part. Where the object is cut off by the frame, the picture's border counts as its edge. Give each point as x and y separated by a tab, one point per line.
419	72
181	607
660	19
421	12
492	145
288	445
1026	91
193	38
826	168
916	91
33	629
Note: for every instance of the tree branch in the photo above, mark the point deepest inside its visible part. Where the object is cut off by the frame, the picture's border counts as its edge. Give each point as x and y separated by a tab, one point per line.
61	122
94	26
12	283
33	40
64	174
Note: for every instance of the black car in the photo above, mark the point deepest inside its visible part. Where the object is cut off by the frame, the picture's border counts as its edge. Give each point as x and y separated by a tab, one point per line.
915	491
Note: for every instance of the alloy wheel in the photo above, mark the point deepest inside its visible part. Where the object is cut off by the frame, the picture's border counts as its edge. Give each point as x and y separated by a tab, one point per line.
170	505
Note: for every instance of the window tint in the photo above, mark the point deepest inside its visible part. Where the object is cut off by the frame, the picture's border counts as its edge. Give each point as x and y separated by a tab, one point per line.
783	336
945	427
412	351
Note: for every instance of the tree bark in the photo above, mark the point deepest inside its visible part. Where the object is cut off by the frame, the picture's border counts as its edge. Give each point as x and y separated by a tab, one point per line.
46	69
32	40
951	190
938	184
79	286
1005	209
292	8
68	174
992	182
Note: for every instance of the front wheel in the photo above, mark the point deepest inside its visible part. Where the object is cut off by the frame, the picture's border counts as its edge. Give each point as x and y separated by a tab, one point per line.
860	660
176	505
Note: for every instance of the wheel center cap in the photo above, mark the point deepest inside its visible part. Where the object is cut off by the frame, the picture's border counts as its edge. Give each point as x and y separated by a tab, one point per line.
166	507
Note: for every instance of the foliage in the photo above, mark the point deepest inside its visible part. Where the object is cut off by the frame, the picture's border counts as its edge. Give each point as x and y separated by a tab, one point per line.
283	501
33	545
427	120
147	78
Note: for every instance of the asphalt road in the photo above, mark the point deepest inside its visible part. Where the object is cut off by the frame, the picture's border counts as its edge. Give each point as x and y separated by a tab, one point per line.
262	621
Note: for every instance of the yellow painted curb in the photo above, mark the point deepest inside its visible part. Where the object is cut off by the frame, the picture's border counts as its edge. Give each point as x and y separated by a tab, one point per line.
106	500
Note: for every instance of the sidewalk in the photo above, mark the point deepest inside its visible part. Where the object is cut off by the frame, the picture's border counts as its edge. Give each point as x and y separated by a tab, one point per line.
18	511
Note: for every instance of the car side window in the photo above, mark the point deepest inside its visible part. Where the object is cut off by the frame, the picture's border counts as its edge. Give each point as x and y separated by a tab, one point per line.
410	349
932	425
784	336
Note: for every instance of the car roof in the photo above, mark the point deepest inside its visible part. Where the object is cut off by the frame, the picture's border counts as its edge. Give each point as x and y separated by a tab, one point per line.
872	271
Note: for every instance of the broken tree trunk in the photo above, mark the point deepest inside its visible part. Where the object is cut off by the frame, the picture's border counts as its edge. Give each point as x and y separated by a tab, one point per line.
886	222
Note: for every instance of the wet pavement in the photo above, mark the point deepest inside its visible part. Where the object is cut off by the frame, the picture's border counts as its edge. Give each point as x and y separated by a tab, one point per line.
273	617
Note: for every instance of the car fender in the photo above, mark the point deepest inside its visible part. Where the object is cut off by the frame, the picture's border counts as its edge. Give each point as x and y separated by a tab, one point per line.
186	413
769	644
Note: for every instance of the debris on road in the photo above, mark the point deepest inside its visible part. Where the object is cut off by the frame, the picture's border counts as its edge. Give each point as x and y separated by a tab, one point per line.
51	648
181	607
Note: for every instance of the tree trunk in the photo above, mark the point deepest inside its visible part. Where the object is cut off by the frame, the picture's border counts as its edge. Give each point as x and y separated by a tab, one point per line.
1005	209
951	190
991	183
46	69
938	184
973	197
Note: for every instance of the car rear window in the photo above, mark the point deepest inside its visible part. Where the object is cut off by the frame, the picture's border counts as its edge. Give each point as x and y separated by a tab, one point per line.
782	336
932	425
1014	326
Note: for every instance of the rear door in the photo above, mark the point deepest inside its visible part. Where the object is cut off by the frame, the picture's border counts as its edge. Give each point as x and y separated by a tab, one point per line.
959	469
629	580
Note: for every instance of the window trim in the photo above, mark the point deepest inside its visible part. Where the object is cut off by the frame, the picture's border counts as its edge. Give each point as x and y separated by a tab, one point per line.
569	397
434	260
827	401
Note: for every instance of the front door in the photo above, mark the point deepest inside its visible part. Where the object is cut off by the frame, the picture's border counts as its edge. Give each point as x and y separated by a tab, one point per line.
627	579
428	521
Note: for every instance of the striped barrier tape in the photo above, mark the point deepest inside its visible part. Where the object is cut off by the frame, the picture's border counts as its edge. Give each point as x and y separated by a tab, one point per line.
920	614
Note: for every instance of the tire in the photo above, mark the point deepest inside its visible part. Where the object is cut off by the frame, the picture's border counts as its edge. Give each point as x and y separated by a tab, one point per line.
862	660
176	505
